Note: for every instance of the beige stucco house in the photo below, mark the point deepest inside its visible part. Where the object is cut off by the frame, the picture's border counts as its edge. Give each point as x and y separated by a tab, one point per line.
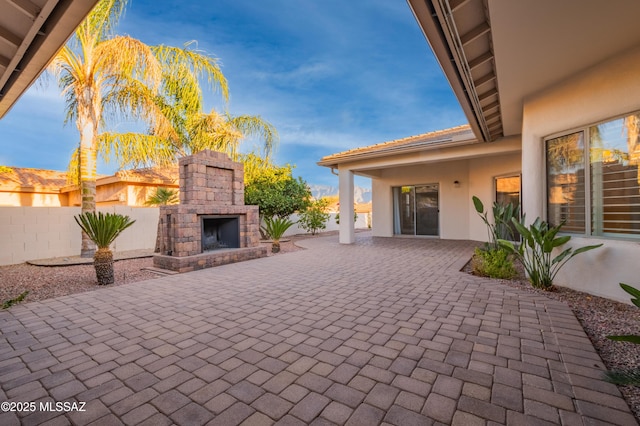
552	94
49	188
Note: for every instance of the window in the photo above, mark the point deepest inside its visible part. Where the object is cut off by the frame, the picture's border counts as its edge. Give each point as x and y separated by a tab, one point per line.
508	191
593	182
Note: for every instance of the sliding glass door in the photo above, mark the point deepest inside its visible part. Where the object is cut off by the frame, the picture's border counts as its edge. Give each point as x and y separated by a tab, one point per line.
416	210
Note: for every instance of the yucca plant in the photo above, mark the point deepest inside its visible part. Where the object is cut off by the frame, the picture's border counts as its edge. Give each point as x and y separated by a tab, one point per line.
103	229
275	227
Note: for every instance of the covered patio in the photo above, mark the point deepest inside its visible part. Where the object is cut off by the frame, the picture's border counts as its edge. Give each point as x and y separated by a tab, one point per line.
383	331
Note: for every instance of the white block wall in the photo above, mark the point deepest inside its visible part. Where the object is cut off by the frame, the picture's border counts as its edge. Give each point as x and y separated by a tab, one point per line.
29	233
363	221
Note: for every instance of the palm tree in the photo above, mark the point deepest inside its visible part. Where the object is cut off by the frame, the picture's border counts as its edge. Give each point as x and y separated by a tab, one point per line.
183	127
102	74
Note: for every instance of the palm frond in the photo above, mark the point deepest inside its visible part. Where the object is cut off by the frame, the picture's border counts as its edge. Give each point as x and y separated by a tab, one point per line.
252	125
136	149
192	61
212	131
163	197
103	228
102	20
123	58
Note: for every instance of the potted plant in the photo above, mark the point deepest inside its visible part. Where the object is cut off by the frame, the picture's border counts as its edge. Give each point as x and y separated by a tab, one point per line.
103	229
275	227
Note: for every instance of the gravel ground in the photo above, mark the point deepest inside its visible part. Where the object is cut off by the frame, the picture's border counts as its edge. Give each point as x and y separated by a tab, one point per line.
599	317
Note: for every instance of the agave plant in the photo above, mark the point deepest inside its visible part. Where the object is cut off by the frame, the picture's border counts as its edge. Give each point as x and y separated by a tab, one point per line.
103	229
275	227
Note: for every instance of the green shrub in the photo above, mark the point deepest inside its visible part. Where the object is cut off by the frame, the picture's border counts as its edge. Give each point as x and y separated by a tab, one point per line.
538	242
315	217
493	263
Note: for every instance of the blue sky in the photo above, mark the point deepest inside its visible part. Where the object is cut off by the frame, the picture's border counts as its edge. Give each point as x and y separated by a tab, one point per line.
330	75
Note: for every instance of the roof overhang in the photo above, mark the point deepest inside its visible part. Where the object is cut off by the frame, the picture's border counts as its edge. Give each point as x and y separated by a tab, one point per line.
31	33
455	136
335	161
498	53
373	166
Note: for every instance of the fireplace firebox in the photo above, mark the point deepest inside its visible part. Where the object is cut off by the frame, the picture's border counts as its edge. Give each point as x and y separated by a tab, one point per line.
220	232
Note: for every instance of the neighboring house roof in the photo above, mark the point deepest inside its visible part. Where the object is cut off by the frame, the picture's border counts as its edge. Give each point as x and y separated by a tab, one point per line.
459	134
20	179
32	32
31	180
150	175
495	54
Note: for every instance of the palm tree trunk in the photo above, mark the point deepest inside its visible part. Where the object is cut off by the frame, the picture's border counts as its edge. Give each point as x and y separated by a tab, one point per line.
88	159
103	264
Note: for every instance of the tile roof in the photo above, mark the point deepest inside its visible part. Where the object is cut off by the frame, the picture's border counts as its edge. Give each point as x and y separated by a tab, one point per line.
21	179
149	175
18	177
453	134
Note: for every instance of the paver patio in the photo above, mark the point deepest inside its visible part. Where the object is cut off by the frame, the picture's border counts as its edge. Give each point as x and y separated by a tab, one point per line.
386	331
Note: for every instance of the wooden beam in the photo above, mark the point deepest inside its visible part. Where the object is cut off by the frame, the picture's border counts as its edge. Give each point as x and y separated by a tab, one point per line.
489	94
4	62
28	8
476	32
490	107
487	56
493	127
484	79
456	4
9	37
492	117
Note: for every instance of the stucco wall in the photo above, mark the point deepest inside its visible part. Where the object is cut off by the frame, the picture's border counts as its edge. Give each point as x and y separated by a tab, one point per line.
458	219
362	222
35	199
608	90
28	233
482	174
452	201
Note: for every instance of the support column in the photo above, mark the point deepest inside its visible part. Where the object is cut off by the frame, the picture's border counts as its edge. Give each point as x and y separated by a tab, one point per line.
347	231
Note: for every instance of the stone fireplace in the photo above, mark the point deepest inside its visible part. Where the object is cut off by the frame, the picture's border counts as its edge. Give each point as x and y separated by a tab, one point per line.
211	226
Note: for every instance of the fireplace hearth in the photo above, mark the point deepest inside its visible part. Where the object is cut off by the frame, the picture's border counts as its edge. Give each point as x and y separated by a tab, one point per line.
211	226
